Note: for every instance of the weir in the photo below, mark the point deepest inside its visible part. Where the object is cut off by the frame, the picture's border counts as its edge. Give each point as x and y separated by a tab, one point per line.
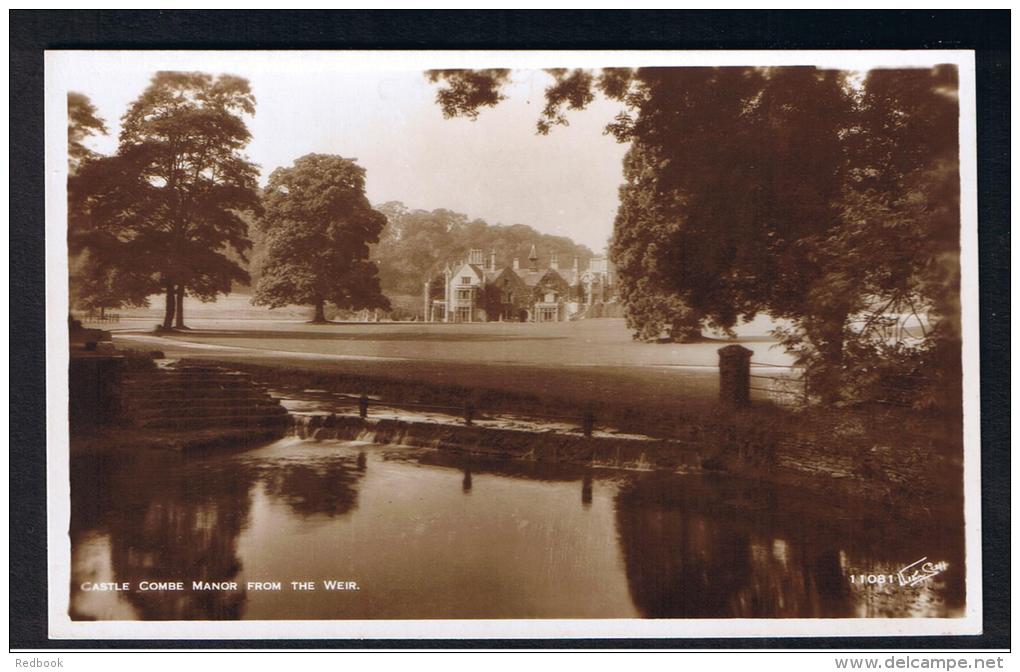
618	452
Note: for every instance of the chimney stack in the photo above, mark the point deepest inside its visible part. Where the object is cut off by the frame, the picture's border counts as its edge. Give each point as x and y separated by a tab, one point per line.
554	262
533	258
475	257
492	260
577	264
517	264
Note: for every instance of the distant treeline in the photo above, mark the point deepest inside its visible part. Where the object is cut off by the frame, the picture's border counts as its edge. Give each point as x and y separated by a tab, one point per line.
416	244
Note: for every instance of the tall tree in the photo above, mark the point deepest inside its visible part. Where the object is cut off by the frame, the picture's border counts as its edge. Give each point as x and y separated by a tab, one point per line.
181	155
740	167
83	121
317	226
104	270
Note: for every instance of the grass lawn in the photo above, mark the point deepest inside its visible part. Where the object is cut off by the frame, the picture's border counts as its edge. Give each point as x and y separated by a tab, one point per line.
587	343
570	364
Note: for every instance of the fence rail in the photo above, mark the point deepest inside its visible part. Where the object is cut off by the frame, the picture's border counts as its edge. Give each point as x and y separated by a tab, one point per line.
789	390
896	390
92	316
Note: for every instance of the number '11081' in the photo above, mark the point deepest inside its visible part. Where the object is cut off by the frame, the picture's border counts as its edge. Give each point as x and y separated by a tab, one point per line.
872	579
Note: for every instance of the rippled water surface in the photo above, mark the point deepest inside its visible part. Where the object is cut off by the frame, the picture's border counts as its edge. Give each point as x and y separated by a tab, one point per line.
428	534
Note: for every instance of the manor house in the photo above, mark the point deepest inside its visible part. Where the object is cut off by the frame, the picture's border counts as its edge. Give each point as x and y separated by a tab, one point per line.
477	290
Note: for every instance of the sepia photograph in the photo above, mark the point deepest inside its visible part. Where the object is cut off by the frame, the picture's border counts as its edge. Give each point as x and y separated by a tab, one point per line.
512	344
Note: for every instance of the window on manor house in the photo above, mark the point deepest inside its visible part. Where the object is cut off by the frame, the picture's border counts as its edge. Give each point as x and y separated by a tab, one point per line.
465	280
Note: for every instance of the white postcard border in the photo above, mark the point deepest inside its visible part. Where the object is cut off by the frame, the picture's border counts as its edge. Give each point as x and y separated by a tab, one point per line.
59	67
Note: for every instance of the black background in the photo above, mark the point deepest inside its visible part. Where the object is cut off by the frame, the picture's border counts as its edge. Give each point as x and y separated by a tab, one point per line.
31	32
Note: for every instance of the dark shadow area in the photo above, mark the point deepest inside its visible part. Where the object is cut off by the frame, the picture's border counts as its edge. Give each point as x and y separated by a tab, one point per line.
323	488
718	548
172	518
166	521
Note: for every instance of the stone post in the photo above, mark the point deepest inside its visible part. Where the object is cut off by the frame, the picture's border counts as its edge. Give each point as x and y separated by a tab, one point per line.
426	303
735	375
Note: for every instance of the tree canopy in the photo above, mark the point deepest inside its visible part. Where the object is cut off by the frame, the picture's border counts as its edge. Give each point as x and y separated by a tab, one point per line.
316	230
104	269
168	204
416	244
824	197
83	121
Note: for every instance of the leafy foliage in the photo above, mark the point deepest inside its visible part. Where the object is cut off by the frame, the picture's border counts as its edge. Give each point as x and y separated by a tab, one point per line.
417	244
104	266
804	193
82	122
468	90
166	208
316	228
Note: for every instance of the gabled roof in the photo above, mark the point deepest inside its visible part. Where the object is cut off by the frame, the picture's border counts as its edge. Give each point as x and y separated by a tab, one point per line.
529	277
532	278
572	276
459	269
492	276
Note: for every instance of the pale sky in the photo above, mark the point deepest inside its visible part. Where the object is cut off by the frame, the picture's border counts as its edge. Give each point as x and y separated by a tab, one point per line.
496	168
379	108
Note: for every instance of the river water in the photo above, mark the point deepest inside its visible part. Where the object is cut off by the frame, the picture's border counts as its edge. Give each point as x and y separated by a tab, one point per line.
419	533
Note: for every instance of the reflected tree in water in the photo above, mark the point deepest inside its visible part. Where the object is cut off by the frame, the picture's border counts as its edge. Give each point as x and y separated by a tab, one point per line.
685	557
325	488
168	523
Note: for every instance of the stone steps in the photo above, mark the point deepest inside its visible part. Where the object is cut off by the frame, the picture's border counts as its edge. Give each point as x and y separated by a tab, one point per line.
193	398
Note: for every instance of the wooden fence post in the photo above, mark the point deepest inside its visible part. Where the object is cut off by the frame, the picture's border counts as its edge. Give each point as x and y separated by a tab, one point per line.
363	406
588	422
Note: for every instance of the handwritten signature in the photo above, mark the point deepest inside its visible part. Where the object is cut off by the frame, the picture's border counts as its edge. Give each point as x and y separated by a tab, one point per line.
919	571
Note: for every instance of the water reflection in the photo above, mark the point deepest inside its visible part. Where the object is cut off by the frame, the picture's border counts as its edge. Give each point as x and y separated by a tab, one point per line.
168	519
322	487
165	522
716	549
396	521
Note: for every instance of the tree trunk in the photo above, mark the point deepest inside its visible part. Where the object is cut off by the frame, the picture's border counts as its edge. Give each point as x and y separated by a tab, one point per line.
828	380
171	305
320	312
180	307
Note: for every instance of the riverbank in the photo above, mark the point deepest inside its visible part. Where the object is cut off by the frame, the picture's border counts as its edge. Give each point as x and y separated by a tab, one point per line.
113	441
881	455
853	472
